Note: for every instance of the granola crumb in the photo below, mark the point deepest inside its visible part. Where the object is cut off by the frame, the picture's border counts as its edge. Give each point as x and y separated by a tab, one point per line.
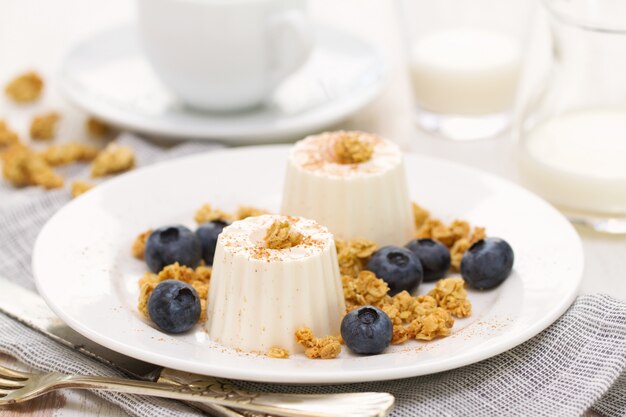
244	212
353	255
44	126
7	136
22	167
278	353
112	160
436	324
198	278
420	214
328	347
68	153
450	294
25	88
96	127
206	213
349	148
80	187
280	235
364	289
139	244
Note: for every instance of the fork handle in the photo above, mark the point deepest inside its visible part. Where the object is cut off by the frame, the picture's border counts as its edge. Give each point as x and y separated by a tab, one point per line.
368	404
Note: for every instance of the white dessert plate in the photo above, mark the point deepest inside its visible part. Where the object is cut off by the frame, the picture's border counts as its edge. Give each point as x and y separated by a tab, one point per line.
84	269
108	76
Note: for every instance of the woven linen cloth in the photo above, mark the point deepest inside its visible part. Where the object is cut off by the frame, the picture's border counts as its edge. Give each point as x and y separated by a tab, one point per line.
577	363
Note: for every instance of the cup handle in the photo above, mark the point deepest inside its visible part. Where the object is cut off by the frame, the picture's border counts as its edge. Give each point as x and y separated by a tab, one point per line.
291	40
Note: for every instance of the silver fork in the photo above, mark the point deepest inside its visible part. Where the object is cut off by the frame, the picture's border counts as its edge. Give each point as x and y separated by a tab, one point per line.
16	386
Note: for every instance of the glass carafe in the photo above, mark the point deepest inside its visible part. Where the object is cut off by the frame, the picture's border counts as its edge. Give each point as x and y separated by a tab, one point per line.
572	133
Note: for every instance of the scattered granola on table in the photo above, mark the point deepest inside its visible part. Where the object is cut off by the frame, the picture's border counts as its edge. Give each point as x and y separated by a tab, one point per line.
25	88
278	353
328	347
44	126
22	167
112	160
96	127
67	153
7	136
80	187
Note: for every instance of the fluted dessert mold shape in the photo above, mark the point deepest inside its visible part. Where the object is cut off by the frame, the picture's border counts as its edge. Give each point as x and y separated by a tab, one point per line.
260	296
362	200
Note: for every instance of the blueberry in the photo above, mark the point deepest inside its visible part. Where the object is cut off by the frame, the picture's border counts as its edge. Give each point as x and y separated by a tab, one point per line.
366	330
171	244
434	257
208	233
174	306
487	263
398	267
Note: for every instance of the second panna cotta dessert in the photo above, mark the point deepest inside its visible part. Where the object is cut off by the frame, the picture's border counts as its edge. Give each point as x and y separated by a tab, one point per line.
354	183
273	274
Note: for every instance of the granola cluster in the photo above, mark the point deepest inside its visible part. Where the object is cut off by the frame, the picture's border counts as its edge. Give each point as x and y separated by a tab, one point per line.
112	160
198	278
458	236
25	88
68	153
206	213
139	245
352	255
43	127
349	148
277	353
280	235
79	188
7	136
328	347
96	127
22	166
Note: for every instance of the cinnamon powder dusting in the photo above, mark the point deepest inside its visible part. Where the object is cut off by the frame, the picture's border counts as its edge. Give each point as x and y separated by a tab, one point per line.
280	235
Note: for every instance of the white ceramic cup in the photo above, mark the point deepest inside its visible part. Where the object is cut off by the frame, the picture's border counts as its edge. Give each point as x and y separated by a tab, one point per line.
224	55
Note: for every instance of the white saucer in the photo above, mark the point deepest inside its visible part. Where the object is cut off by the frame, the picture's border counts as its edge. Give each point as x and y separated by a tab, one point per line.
84	268
108	77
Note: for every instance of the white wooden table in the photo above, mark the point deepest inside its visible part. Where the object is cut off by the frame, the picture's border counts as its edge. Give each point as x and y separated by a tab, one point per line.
36	34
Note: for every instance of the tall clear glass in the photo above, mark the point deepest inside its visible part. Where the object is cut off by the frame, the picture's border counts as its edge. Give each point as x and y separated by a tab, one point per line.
465	60
572	132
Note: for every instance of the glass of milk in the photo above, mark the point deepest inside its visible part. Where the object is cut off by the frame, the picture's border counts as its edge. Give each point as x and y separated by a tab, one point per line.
572	131
464	59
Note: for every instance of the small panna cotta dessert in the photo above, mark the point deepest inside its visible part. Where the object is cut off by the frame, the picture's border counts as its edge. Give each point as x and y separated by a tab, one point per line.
271	275
354	183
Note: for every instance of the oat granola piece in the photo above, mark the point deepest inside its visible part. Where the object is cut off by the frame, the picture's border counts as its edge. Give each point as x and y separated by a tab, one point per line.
278	353
399	335
364	289
96	127
67	153
199	279
139	244
80	187
353	255
350	148
280	235
44	126
249	211
420	214
328	347
22	167
450	294
207	213
112	160
436	324
478	233
25	88
7	136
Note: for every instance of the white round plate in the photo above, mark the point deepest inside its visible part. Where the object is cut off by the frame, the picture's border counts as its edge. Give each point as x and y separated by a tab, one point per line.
108	76
84	269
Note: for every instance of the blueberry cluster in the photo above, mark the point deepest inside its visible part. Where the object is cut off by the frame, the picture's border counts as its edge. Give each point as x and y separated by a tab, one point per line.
487	263
174	306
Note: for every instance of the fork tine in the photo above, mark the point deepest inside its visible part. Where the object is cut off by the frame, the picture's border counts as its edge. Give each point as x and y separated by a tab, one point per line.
12	374
5	392
10	383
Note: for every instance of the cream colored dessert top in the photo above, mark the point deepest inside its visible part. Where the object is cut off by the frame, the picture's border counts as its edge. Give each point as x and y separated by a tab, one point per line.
345	154
275	238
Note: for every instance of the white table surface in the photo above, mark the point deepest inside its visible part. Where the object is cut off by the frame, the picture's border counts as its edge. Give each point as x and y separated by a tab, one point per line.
36	34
